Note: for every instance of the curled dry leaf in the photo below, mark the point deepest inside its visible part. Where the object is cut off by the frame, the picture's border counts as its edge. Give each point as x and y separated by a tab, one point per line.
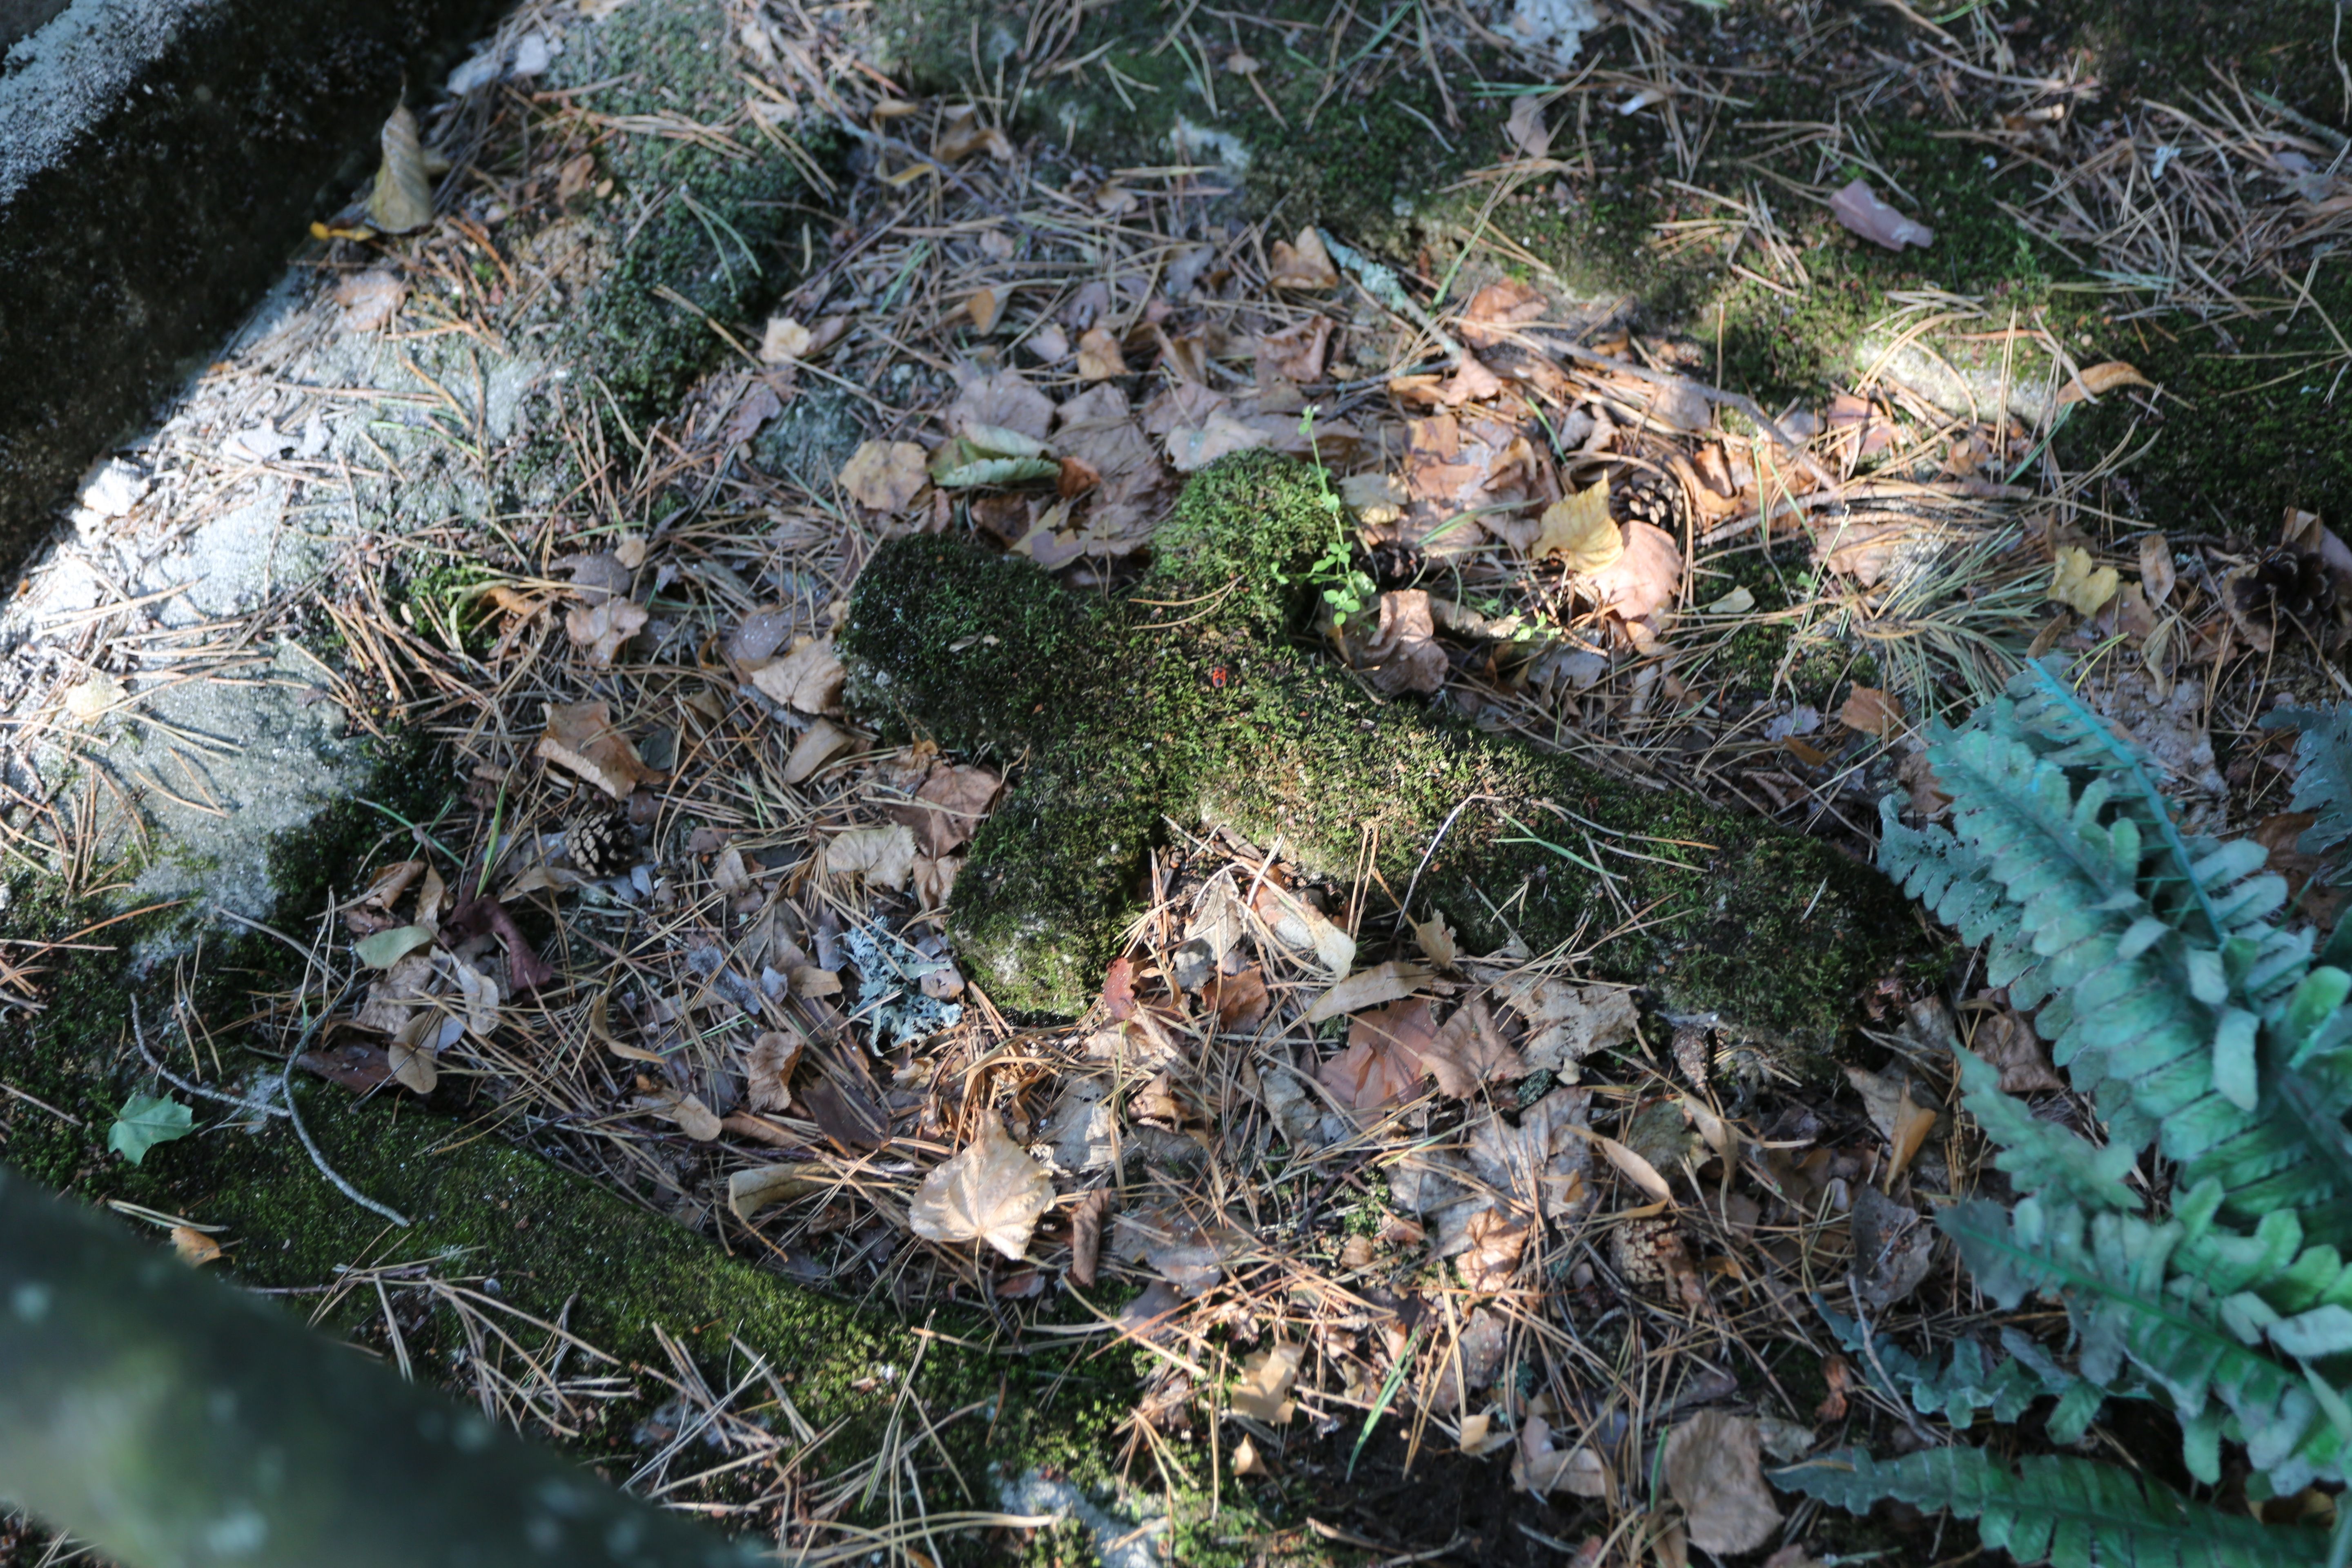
784	340
2156	571
1304	929
600	630
1490	1263
1399	653
1715	1468
808	680
1305	265
194	1247
817	745
685	1111
992	1191
886	476
748	1192
581	739
2080	583
1085	1235
1369	988
1542	1466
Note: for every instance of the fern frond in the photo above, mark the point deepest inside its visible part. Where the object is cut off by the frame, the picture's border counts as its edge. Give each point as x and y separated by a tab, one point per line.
2039	1155
2323	782
2071	1513
2129	1304
1963	1384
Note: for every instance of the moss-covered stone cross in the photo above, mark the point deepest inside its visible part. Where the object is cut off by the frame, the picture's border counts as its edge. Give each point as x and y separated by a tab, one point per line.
1187	700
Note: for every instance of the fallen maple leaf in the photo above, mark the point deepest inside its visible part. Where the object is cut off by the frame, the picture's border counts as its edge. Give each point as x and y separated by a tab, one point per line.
1305	265
1715	1468
992	1191
886	476
1576	528
1491	1262
1872	711
600	629
580	738
950	803
882	857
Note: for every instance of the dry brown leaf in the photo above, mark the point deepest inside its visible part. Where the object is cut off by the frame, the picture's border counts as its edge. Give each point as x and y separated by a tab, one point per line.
1576	528
1899	1117
1859	208
2100	379
1645	578
809	679
998	400
580	738
1567	1023
1191	1254
768	1069
412	1055
1297	353
750	1190
1369	988
1305	265
1382	1061
1240	1001
1541	1465
90	699
2080	583
2008	1041
1636	1169
886	476
1304	929
1470	1051
1098	356
983	309
962	132
1715	1468
1872	711
1499	308
1436	939
194	1247
2156	570
1491	1261
1085	1235
685	1111
1261	1391
949	806
992	1191
600	630
1541	1164
1245	1461
1894	1249
1399	652
882	857
816	747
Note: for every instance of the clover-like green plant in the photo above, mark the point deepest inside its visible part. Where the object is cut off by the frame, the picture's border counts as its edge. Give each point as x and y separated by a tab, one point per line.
2153	961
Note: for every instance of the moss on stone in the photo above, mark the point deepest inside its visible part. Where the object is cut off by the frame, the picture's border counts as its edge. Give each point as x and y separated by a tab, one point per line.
1122	722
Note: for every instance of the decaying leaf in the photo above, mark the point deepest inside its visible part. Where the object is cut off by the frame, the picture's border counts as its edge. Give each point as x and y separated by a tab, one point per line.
1085	1235
1526	130
1304	929
685	1111
401	199
581	739
992	1191
2008	1041
1098	356
1497	1240
886	476
1899	1116
1541	1465
809	679
1436	939
2157	574
194	1247
482	994
1191	1254
784	340
1542	1164
1369	988
1894	1249
1262	1391
1398	651
90	699
949	805
371	298
817	746
1305	265
1715	1468
750	1190
1576	528
2080	583
600	629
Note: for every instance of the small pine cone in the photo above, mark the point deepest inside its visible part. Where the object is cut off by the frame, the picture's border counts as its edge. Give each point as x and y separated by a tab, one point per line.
1654	501
2284	583
600	843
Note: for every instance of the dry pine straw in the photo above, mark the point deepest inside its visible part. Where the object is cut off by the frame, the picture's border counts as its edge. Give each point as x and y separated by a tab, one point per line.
1600	1318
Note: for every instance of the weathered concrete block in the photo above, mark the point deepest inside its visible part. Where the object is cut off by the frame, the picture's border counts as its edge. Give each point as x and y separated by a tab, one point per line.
158	160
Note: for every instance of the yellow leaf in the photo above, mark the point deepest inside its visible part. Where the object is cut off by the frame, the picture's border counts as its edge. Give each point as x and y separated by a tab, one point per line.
784	340
885	476
194	1247
2081	587
983	308
993	1192
1577	528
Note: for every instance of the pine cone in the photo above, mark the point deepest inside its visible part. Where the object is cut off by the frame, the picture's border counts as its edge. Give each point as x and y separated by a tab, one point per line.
2284	583
601	844
1651	499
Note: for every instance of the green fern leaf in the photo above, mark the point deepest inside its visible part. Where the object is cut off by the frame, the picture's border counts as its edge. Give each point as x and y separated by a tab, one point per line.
2068	1513
2323	784
2039	1155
